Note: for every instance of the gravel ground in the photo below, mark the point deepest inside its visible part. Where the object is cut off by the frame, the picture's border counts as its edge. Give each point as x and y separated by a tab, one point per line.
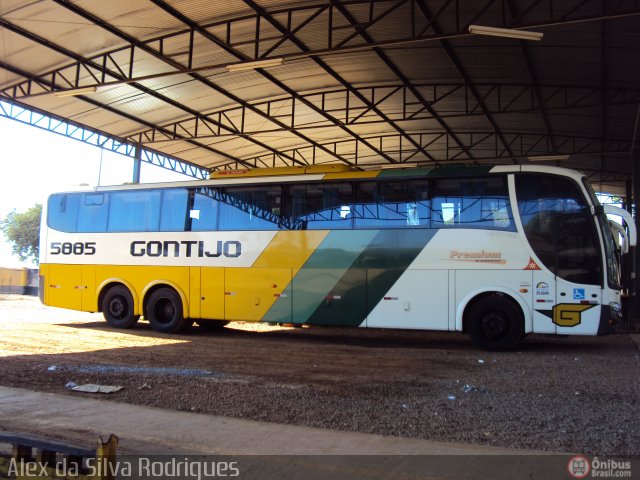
576	394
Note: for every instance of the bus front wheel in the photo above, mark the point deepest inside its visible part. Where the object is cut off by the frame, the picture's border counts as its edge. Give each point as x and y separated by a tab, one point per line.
495	323
164	311
117	307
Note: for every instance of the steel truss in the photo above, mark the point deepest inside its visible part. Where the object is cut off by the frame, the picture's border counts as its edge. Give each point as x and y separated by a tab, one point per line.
395	101
119	65
335	27
487	145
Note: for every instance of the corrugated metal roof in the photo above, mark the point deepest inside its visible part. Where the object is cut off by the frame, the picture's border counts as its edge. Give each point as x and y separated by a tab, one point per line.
160	69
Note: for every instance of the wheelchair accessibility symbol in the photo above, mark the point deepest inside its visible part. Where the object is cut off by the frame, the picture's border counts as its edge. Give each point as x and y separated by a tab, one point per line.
578	294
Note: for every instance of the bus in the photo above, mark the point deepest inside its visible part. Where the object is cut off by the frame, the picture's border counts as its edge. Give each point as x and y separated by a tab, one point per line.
496	252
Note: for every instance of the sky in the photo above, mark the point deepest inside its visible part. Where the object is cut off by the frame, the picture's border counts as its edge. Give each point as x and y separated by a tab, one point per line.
35	163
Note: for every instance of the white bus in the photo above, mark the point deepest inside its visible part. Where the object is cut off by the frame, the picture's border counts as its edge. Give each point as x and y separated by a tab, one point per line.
497	252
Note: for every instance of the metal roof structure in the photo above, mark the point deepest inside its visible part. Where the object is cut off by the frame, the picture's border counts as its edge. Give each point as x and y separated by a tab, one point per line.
260	83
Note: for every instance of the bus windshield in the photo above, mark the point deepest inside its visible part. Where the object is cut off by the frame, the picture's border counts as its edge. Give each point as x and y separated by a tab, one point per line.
558	224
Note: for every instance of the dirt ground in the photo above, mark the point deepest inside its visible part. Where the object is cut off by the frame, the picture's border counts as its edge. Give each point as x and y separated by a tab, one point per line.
576	394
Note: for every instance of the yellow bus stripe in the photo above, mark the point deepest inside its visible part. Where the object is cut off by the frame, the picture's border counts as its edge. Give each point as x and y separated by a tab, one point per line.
252	292
290	249
350	175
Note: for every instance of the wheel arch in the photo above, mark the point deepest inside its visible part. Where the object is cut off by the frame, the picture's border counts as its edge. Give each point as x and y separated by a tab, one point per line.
470	299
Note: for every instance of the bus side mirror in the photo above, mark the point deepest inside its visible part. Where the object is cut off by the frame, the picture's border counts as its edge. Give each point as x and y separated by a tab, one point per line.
628	219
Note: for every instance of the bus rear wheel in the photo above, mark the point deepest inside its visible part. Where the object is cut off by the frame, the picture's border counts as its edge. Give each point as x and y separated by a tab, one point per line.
117	307
164	311
495	323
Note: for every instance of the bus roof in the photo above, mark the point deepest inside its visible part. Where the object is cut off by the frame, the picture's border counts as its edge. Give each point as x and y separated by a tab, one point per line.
330	172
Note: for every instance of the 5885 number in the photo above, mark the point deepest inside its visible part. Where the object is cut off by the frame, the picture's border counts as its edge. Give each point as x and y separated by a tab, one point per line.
68	248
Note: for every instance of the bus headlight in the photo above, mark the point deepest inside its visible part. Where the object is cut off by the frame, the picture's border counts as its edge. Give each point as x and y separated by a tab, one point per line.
616	311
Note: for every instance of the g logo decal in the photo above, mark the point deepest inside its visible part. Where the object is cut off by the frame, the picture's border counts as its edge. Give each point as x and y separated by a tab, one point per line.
569	314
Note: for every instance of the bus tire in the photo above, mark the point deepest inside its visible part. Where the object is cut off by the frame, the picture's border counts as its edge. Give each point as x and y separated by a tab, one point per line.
212	325
495	323
117	307
164	311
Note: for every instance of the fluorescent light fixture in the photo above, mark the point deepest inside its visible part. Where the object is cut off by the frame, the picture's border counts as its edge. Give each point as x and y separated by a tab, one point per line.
75	91
505	32
548	158
241	67
392	166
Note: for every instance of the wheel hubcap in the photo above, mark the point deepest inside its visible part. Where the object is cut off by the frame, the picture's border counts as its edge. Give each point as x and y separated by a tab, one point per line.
494	325
117	308
164	311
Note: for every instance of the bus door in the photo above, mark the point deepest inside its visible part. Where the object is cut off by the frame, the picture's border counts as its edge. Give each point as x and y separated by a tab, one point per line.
579	274
561	232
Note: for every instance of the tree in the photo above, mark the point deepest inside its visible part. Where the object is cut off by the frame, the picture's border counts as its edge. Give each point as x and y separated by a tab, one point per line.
23	231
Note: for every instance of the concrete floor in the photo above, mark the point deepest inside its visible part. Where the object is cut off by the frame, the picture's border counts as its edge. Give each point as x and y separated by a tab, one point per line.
157	431
263	450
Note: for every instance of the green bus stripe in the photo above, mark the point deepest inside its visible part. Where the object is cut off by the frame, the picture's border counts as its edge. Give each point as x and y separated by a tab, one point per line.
340	249
324	269
370	277
348	275
280	311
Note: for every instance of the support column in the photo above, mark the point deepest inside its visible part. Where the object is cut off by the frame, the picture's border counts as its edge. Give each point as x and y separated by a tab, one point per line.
634	290
627	267
137	162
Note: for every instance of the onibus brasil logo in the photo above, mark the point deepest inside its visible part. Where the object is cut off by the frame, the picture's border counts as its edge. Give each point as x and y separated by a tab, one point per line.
579	466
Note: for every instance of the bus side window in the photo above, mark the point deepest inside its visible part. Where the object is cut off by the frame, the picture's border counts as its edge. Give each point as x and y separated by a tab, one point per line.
251	208
392	204
93	214
366	208
204	214
446	202
173	216
319	206
63	211
135	211
472	203
491	206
